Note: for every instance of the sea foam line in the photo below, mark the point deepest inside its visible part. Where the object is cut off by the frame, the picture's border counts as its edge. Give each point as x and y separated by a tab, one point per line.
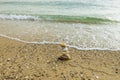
17	39
70	46
18	17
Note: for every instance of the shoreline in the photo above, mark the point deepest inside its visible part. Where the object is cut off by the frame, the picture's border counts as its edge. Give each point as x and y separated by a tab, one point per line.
81	35
20	60
58	43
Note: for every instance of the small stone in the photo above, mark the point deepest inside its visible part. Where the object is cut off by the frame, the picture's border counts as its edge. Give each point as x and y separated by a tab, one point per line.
96	77
63	45
65	49
64	57
8	59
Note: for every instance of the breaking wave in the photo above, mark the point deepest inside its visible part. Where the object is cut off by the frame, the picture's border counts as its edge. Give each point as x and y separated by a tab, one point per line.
57	18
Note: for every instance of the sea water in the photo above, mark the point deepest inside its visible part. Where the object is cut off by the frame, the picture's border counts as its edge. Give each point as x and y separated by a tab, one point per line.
85	24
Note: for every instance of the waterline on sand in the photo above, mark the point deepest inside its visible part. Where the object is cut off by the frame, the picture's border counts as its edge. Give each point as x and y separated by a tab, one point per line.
70	46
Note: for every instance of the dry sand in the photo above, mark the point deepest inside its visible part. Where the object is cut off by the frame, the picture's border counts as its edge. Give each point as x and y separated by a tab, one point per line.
23	61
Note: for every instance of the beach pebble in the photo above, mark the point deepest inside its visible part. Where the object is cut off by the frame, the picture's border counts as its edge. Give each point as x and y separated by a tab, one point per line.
63	45
65	49
96	77
64	57
8	59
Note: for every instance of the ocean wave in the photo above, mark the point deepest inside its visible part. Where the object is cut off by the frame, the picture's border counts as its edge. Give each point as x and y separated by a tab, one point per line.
57	18
70	46
18	17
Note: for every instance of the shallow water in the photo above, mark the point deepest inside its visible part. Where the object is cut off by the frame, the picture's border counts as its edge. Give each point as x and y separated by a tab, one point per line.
107	9
86	24
75	34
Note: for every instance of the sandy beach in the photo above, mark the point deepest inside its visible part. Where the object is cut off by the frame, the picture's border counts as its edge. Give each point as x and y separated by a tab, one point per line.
59	39
23	61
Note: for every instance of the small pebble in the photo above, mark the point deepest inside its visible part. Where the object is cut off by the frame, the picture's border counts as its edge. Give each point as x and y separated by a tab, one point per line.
96	77
63	44
64	57
8	59
65	49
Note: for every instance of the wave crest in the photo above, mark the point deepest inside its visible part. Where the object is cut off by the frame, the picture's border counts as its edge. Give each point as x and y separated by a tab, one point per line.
57	18
18	17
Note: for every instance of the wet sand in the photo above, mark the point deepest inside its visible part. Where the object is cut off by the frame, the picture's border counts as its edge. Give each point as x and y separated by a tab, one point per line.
23	61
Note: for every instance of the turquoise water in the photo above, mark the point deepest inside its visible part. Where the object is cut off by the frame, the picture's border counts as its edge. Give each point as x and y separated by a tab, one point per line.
86	11
86	24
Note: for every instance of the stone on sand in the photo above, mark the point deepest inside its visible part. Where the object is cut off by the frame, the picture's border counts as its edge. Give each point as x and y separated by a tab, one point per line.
65	49
63	45
64	57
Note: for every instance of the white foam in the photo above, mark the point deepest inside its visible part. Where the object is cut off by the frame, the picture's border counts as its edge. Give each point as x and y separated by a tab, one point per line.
70	46
18	17
44	42
87	48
